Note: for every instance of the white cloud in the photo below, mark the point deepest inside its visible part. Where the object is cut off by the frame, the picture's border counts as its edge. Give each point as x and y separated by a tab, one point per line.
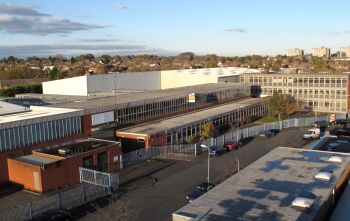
121	6
239	30
27	20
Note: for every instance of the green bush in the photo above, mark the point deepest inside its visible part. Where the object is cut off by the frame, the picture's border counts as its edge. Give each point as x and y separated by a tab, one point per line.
12	91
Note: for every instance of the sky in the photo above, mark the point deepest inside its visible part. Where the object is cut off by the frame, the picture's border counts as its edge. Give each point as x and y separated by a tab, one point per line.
169	27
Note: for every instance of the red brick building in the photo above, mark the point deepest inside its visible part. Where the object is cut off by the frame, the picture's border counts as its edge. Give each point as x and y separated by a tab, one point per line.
49	169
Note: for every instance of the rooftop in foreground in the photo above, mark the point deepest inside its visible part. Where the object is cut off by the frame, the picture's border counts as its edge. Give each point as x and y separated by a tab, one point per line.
266	189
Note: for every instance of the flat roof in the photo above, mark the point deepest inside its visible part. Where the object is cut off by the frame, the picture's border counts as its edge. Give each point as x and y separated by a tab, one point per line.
266	189
35	112
126	99
218	72
190	118
35	160
8	108
75	148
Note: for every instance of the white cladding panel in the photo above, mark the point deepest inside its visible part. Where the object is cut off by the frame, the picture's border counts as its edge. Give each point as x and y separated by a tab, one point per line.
69	86
141	81
102	118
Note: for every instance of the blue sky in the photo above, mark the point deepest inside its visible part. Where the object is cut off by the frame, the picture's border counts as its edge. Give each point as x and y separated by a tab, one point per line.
168	27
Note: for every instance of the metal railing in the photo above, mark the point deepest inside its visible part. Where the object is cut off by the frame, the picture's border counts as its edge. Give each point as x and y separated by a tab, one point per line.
66	200
99	178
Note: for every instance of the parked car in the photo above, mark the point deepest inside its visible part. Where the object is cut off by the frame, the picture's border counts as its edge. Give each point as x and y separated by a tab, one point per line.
216	150
274	131
340	132
232	145
199	191
266	134
320	123
342	122
312	133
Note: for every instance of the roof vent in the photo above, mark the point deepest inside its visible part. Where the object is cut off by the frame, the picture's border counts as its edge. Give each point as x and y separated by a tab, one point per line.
324	176
302	202
336	159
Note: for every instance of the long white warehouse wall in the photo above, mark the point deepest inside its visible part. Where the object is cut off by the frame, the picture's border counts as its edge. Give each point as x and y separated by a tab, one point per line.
173	79
69	86
141	81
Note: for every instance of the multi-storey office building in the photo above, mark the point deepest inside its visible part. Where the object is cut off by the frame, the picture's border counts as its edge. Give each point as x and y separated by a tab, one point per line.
345	52
296	52
318	92
321	52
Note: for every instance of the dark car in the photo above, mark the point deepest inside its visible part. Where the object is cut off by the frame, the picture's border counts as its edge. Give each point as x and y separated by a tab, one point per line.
232	145
320	123
340	132
199	191
342	122
59	215
216	150
266	134
274	131
206	186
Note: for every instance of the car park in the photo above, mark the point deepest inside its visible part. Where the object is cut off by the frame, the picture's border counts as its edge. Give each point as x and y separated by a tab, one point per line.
266	134
216	150
199	190
320	123
232	145
340	132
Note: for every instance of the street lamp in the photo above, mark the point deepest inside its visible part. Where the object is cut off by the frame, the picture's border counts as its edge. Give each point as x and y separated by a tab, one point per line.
238	118
205	146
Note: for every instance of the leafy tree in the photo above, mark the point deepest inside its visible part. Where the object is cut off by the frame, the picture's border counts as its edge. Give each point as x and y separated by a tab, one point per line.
281	104
207	130
55	74
106	59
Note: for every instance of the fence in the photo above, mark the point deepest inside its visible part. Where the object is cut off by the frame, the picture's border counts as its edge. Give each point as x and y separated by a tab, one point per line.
191	150
173	151
255	130
99	178
67	199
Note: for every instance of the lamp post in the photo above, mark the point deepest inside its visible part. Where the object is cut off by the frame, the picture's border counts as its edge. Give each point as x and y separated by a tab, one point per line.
238	119
205	146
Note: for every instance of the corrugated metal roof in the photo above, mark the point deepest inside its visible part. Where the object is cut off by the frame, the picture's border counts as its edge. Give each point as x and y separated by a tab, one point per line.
35	160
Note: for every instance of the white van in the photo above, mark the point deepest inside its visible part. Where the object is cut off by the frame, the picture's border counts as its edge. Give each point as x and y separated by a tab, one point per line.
312	133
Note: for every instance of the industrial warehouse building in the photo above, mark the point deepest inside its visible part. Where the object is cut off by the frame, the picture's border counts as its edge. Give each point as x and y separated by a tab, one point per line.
286	184
39	127
90	85
318	92
179	130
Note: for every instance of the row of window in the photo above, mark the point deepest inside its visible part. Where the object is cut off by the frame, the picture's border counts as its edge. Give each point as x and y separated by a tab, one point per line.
145	111
308	93
294	80
18	137
182	135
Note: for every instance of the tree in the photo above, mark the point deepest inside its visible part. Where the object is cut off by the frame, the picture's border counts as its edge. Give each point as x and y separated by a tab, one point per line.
281	104
106	59
55	74
207	130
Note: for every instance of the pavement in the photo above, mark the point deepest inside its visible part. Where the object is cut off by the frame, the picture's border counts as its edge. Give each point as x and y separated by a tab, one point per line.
152	190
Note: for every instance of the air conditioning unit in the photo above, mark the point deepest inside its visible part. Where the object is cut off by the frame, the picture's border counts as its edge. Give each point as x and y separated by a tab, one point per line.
302	202
324	176
336	159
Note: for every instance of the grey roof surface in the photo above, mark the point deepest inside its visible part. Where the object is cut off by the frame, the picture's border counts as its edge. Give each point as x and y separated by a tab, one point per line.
125	99
187	119
8	108
265	189
35	160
